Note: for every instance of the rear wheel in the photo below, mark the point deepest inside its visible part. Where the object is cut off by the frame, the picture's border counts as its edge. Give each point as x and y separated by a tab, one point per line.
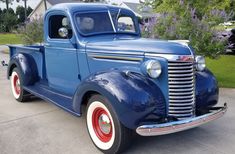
105	130
16	86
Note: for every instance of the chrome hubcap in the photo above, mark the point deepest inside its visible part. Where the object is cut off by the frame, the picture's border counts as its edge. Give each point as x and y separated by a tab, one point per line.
105	124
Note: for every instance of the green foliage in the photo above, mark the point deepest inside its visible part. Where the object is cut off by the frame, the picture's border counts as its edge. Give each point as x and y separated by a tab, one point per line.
32	33
20	12
188	20
202	7
7	22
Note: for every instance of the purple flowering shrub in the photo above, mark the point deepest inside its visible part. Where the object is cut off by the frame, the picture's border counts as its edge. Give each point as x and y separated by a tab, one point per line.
184	24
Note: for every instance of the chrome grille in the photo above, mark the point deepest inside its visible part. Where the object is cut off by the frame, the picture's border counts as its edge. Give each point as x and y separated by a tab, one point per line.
181	89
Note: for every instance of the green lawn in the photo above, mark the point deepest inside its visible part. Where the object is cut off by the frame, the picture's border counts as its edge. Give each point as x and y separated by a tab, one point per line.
10	39
224	70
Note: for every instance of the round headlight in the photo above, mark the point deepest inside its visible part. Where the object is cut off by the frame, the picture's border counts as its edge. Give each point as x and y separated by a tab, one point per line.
153	68
200	63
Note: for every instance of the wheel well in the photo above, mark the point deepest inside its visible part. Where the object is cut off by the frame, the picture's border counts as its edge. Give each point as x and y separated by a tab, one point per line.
85	99
11	69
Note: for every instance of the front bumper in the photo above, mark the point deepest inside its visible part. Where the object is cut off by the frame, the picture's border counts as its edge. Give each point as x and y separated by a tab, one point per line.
177	126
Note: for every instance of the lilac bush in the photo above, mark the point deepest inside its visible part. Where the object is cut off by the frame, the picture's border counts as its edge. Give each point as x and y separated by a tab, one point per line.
186	25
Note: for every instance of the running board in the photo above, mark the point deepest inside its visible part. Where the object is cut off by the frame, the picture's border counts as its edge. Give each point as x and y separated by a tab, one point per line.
61	100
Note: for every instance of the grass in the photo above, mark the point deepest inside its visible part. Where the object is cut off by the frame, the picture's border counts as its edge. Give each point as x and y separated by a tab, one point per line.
10	39
224	70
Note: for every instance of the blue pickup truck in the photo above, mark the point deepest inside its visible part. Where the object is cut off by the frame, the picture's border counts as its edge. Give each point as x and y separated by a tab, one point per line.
94	57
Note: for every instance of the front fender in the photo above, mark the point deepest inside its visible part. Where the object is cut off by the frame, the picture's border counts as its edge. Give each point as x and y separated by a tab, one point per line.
207	91
134	97
27	66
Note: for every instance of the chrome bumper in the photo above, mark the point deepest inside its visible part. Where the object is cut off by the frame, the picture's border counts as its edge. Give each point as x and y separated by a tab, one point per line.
177	126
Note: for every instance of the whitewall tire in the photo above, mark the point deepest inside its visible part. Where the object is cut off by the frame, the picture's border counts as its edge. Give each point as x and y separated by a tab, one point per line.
100	125
17	86
104	128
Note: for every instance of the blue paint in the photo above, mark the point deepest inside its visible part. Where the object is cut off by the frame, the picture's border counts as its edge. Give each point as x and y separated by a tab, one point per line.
133	96
207	90
65	70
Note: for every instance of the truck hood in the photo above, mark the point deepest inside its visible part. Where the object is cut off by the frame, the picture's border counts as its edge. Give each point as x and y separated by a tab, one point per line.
136	45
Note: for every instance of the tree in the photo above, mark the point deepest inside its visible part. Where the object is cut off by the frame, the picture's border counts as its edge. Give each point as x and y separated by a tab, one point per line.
20	12
11	11
7	2
8	21
29	10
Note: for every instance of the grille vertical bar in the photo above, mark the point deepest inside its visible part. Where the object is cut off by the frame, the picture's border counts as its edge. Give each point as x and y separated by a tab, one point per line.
181	89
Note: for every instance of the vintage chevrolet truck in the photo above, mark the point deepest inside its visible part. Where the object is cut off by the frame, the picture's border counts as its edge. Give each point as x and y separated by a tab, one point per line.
94	56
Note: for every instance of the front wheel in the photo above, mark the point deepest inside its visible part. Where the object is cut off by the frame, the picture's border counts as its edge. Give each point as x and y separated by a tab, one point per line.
16	86
105	130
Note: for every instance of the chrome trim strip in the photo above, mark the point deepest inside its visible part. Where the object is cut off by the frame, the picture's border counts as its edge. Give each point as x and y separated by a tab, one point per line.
179	83
180	75
185	102
181	90
180	79
180	111
180	97
180	64
180	71
173	58
177	126
181	115
183	94
115	58
180	108
114	52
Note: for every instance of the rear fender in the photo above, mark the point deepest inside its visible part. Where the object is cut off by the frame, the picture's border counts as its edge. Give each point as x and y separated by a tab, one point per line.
27	66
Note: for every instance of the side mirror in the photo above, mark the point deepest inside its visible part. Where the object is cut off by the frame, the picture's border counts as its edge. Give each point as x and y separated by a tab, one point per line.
63	32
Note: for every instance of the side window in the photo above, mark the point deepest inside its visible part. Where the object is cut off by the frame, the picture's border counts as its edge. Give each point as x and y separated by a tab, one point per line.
57	22
126	24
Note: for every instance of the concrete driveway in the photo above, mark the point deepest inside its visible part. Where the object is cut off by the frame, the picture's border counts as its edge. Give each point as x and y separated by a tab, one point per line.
38	127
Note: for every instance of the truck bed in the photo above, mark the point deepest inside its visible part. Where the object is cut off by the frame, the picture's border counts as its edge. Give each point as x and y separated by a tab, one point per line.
41	88
37	52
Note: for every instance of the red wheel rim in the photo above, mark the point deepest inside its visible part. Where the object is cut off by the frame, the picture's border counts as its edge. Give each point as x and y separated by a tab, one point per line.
16	82
102	125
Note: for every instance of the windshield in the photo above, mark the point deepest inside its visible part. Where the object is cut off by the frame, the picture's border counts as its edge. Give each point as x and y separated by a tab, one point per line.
103	22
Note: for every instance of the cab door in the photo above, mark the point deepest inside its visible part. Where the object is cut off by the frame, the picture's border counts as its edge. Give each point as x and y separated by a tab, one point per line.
61	56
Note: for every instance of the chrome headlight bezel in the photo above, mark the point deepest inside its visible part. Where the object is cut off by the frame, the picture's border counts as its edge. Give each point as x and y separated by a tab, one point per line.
200	63
153	68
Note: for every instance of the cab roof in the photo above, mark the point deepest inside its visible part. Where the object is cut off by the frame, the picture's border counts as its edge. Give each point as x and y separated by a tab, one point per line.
83	7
